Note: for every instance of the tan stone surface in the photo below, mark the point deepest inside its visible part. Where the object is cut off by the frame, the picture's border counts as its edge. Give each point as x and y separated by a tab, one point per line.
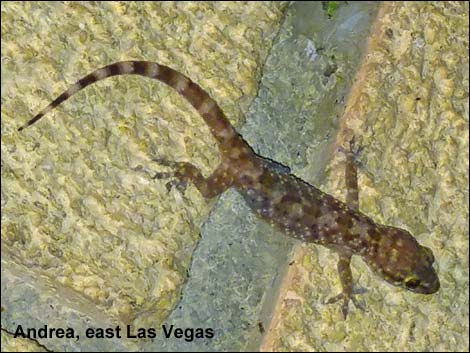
78	202
409	110
11	344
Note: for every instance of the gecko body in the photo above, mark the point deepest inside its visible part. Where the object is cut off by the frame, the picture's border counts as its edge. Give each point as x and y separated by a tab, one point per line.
297	208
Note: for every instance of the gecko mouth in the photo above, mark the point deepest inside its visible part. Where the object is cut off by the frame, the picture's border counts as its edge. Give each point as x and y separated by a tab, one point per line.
424	287
433	285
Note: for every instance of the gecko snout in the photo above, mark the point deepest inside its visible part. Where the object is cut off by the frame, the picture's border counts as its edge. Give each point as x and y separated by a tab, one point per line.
424	279
403	262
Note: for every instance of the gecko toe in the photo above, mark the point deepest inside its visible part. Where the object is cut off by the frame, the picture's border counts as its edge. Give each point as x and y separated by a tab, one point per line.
175	183
163	175
355	150
165	162
178	184
346	298
358	304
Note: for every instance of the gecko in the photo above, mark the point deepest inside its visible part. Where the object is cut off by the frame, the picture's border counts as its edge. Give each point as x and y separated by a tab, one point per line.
293	206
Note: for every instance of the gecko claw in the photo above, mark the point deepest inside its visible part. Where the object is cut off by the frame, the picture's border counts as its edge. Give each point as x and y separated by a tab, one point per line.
346	298
179	185
162	175
164	162
355	150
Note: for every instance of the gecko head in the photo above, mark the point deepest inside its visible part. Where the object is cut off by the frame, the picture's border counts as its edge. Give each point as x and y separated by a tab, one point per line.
402	261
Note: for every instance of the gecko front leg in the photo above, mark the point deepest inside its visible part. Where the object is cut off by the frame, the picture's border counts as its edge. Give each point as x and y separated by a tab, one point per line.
183	172
344	262
345	276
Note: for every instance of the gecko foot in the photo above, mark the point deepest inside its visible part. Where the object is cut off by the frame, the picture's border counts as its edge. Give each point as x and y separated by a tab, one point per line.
177	183
165	162
346	298
353	152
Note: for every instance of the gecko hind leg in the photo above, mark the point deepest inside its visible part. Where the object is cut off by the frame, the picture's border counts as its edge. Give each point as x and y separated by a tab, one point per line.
344	263
184	173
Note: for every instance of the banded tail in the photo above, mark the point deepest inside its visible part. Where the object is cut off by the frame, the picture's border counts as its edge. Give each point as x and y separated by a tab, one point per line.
219	125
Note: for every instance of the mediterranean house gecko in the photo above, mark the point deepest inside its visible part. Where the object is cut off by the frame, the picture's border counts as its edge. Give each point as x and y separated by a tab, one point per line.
297	208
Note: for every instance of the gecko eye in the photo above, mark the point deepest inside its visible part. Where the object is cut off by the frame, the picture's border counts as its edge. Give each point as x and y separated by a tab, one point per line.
412	282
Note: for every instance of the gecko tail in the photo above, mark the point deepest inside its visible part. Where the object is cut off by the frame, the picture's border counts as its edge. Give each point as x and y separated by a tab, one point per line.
43	112
47	109
98	75
219	125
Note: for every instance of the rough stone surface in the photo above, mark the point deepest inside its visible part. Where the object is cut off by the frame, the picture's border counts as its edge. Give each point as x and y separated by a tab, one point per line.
79	208
240	259
409	112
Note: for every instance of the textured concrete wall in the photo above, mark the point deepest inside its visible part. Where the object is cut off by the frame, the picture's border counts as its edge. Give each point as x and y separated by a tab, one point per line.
80	214
89	240
409	111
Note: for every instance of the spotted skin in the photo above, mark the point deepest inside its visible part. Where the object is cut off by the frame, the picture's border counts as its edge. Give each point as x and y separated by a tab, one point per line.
297	208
